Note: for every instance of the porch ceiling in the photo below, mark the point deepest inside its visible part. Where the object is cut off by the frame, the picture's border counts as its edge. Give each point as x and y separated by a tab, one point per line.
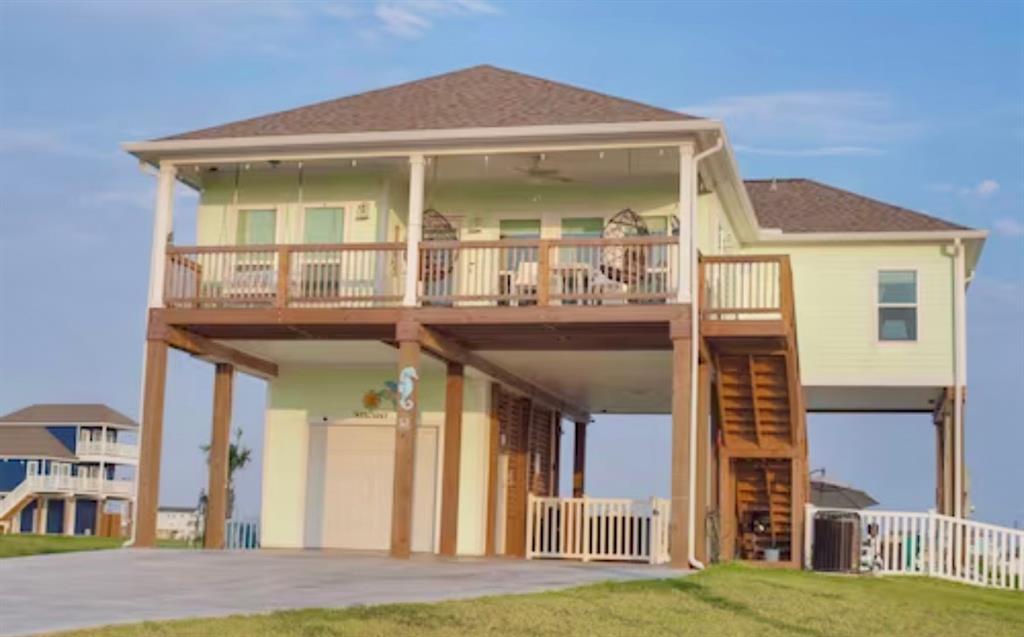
599	381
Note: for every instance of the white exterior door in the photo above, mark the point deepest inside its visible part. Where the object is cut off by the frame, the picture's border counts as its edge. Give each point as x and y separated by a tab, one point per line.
349	493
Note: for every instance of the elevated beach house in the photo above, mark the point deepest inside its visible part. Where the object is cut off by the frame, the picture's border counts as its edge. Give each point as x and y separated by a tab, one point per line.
434	277
67	469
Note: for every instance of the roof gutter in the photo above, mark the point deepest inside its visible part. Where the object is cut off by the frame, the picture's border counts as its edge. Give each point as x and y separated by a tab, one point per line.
416	137
770	235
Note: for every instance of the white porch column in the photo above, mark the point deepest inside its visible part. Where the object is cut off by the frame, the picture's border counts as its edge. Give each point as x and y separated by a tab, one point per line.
687	214
69	515
42	510
414	230
163	223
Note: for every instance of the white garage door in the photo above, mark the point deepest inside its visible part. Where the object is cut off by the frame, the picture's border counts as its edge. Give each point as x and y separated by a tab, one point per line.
351	471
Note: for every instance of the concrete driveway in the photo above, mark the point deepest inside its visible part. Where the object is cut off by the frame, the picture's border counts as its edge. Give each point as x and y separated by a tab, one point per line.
79	590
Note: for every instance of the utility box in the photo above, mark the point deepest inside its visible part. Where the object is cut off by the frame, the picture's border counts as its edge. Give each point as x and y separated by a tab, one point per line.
836	543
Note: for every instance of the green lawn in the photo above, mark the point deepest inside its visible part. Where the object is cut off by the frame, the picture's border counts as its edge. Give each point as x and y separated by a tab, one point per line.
729	600
21	545
18	545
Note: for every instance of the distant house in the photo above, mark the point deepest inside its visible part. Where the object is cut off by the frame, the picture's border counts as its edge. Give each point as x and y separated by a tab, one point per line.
67	469
177	523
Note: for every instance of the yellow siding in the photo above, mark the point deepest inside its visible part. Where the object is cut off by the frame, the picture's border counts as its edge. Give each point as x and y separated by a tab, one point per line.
836	307
301	394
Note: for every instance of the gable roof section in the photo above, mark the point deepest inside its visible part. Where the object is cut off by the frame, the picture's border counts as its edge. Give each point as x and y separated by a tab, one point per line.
67	414
805	205
31	442
478	97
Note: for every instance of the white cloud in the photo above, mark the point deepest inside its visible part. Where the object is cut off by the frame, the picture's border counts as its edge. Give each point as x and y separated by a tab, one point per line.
821	151
987	188
1009	227
412	18
45	142
983	190
810	123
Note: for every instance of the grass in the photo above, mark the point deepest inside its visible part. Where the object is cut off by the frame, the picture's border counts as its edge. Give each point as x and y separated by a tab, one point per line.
730	600
17	545
28	544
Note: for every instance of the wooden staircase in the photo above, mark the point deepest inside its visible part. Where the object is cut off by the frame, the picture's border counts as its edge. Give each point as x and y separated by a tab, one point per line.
749	337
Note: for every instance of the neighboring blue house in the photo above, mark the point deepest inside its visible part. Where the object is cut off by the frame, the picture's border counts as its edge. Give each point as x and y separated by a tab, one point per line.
67	469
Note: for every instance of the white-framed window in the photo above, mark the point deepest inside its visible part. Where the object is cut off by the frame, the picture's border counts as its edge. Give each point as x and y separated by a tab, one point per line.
323	224
256	226
897	305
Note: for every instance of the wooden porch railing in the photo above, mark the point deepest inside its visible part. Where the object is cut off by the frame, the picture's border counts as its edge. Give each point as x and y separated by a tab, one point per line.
451	273
348	275
746	287
550	271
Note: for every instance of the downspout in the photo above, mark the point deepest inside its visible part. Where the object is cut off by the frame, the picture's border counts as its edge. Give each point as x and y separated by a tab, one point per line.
691	530
959	372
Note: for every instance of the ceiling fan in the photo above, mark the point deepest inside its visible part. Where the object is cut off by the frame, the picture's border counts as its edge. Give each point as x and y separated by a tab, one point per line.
537	172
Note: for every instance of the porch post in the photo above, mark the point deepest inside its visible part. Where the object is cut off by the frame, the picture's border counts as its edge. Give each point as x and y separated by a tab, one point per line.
407	335
217	465
452	458
687	186
493	449
703	459
679	526
151	438
163	226
69	515
579	460
414	231
42	512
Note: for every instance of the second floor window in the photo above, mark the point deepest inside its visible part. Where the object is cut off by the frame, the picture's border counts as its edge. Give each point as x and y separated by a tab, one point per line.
582	228
256	226
897	305
324	225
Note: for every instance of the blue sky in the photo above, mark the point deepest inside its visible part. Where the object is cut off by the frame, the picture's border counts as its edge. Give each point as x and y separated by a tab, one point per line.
920	108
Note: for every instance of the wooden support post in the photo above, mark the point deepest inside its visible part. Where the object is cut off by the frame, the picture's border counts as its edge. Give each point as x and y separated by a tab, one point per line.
148	476
407	335
556	477
69	515
494	444
798	489
703	459
726	507
220	442
579	460
452	459
283	277
42	509
679	526
544	273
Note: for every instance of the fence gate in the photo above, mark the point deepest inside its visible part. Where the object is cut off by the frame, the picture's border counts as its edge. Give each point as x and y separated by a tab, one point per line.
598	529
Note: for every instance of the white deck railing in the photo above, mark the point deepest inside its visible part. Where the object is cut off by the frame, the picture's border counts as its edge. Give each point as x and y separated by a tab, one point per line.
930	544
58	483
106	448
597	529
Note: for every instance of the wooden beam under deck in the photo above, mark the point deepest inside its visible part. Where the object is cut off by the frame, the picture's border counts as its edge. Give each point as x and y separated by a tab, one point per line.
449	350
208	350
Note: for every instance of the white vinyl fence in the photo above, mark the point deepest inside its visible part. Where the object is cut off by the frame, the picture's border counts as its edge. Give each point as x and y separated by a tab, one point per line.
242	535
934	545
597	529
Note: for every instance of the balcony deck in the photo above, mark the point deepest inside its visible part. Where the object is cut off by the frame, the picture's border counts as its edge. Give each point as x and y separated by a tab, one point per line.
565	294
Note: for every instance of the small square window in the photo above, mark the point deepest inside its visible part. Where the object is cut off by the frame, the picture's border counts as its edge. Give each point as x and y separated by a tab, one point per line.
897	286
897	324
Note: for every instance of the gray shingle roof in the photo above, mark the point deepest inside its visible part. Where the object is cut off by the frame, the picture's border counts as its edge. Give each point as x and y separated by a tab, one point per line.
805	205
68	414
477	97
31	442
